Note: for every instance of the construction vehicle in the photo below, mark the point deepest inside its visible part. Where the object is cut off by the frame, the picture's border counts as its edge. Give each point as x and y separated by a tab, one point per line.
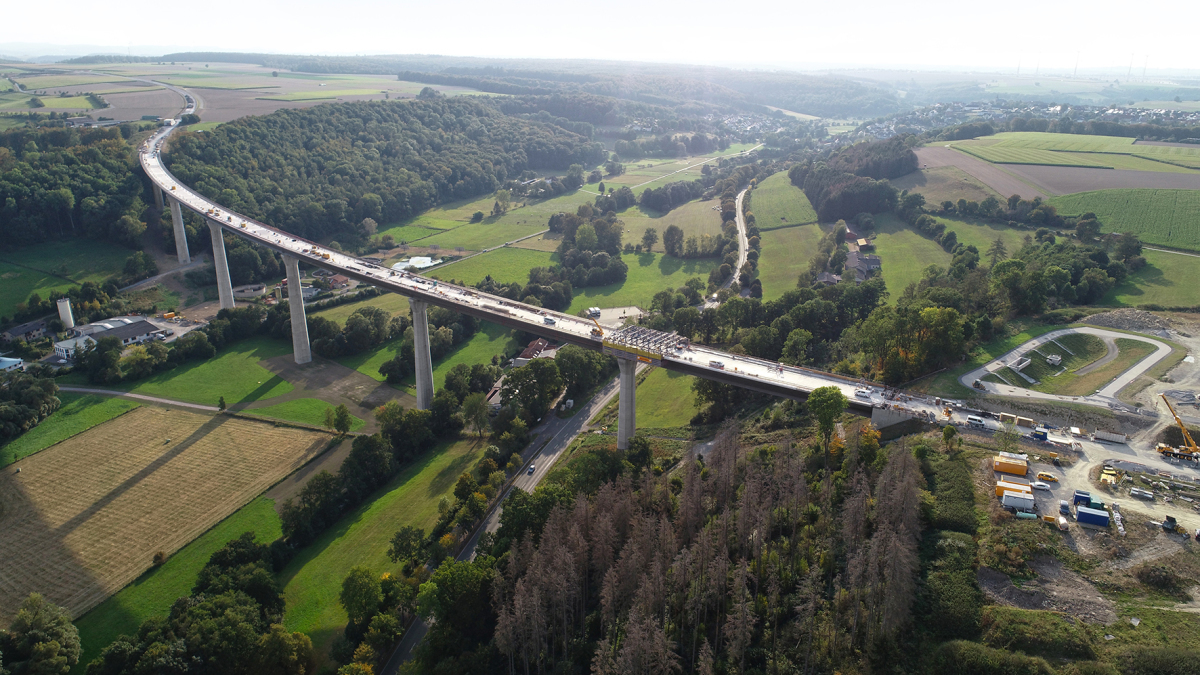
597	331
1188	450
1169	524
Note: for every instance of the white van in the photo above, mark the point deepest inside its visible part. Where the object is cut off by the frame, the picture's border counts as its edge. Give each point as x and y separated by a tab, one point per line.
975	422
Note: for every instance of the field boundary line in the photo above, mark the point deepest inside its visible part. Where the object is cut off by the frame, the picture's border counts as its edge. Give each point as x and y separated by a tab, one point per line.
737	154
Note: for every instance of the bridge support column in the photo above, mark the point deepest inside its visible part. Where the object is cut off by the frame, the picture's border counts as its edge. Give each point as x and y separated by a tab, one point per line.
627	403
421	347
224	287
181	247
158	197
301	350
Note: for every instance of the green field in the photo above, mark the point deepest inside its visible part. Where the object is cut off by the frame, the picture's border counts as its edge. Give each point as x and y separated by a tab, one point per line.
946	383
981	234
904	253
40	82
505	265
478	236
56	267
1163	217
649	273
665	399
203	126
71	102
411	234
695	218
302	410
233	373
1168	279
320	94
313	580
392	303
777	203
153	593
785	254
519	221
1058	379
14	100
78	413
1078	150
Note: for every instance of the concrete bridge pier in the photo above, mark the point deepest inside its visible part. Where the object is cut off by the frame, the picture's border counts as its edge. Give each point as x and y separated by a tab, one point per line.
224	287
181	247
158	197
301	350
627	403
420	313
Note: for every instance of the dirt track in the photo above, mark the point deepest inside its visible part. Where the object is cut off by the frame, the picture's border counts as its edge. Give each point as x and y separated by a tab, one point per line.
1062	180
994	177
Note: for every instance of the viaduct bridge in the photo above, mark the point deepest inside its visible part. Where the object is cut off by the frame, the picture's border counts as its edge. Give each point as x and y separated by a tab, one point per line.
630	345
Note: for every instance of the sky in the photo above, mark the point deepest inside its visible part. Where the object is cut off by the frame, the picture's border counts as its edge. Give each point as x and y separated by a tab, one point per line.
1047	34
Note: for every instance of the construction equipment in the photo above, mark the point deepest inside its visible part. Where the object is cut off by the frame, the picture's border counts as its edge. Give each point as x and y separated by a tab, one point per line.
597	331
1169	524
1189	449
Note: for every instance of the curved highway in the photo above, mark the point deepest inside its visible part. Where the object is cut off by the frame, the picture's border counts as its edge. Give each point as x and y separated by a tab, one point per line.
648	346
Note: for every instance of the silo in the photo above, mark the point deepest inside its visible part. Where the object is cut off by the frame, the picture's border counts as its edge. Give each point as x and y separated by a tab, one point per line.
64	313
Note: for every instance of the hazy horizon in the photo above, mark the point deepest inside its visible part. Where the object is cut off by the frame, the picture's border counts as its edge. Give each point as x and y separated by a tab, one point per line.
882	35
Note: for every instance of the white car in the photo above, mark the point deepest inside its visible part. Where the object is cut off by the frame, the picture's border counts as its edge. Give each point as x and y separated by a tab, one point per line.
1039	485
862	393
532	468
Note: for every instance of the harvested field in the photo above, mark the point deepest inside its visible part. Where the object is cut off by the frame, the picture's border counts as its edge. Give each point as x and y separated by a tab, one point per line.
945	183
1062	180
85	517
1000	180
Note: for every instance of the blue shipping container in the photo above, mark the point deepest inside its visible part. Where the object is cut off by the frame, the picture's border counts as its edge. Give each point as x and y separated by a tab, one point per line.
1091	516
1083	497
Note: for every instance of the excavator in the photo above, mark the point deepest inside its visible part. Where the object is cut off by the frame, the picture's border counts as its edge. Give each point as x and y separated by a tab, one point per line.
1189	450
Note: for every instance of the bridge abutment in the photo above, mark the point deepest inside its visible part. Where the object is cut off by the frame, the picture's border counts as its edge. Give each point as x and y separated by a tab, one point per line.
301	349
181	247
424	365
224	286
627	403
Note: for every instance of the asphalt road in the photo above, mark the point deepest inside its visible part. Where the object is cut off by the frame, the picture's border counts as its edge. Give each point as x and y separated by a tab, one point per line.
560	432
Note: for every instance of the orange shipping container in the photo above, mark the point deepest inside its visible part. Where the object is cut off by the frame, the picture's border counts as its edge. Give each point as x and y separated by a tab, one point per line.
1002	487
1006	465
1024	422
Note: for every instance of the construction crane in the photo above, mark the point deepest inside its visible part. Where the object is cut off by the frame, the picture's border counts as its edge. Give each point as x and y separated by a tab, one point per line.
597	331
1188	450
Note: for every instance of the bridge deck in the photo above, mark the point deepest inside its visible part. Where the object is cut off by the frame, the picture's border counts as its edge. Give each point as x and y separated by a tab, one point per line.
714	364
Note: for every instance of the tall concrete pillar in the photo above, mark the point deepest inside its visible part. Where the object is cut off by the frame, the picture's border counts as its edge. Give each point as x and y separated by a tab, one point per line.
301	350
421	347
627	403
224	287
158	198
181	248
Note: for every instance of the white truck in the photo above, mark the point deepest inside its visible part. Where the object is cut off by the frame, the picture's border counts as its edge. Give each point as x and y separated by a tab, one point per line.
1019	501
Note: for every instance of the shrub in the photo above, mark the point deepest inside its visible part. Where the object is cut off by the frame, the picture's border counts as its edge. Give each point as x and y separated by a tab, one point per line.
1158	661
953	604
1051	634
160	558
1160	578
957	657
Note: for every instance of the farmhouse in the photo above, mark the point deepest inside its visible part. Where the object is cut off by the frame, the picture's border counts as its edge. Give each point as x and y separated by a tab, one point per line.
26	331
538	349
863	264
339	281
828	279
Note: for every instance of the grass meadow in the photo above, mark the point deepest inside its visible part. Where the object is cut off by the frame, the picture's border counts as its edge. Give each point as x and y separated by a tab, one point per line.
695	218
1168	279
153	593
1111	152
664	400
942	183
302	410
505	265
1162	217
491	339
55	267
649	273
78	413
905	254
786	253
777	203
313	580
1085	384
233	373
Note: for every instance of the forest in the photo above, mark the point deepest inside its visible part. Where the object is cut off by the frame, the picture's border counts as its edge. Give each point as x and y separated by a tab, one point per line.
319	172
58	183
876	159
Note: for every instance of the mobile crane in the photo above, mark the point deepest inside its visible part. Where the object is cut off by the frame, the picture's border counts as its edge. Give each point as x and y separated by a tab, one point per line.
1188	450
597	331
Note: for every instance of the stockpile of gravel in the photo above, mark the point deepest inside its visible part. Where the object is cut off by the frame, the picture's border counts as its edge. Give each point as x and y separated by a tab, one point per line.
1130	319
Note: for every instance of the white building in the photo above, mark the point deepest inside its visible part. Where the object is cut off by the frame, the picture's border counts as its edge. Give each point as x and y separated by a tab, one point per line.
129	330
8	365
419	262
68	348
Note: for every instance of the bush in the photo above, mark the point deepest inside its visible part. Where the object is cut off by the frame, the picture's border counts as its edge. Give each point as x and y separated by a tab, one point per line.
1158	661
957	657
1088	668
953	604
1050	634
1159	577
